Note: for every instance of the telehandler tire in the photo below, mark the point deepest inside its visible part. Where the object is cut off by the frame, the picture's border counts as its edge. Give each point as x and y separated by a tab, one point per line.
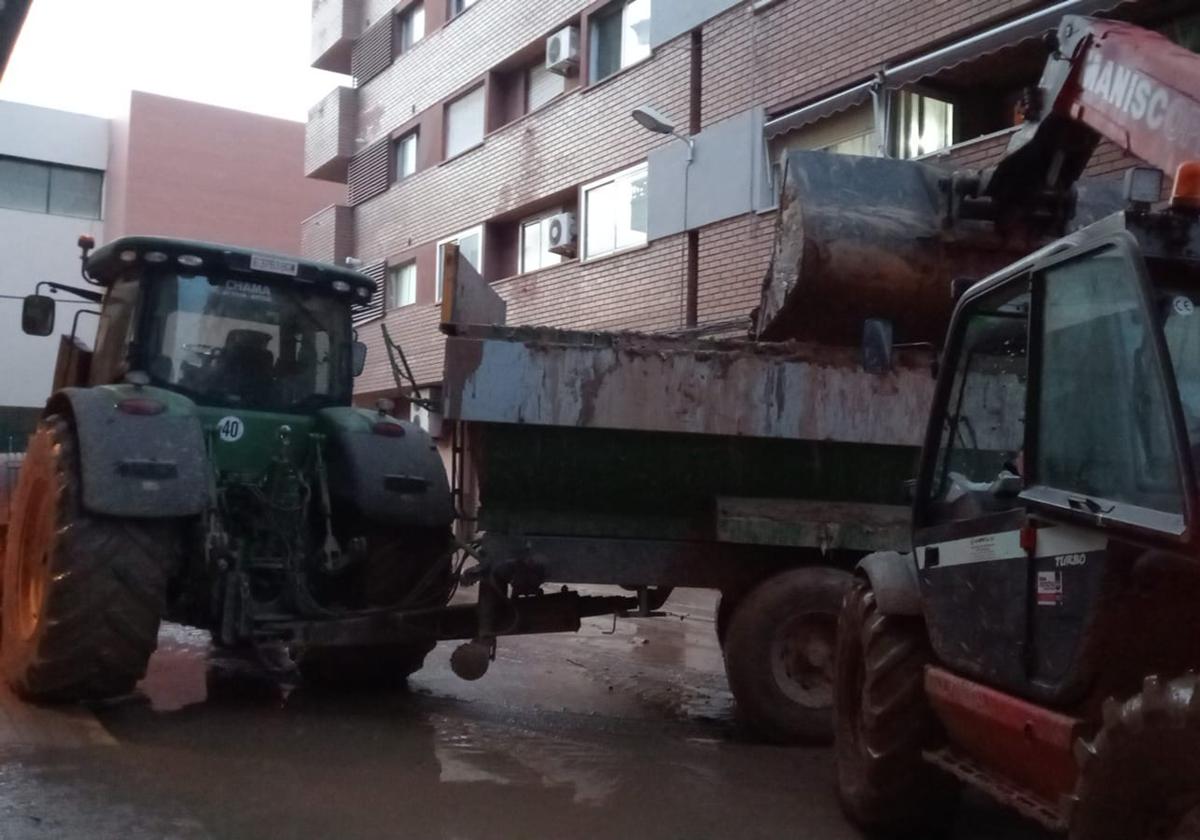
83	594
883	721
1140	776
779	654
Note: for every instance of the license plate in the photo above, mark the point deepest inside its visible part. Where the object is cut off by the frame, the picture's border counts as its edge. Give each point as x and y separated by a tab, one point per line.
275	265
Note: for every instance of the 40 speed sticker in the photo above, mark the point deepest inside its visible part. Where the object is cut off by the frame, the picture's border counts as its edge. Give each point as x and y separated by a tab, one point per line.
230	429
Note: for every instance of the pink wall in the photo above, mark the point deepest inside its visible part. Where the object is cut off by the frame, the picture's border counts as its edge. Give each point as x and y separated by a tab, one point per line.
204	172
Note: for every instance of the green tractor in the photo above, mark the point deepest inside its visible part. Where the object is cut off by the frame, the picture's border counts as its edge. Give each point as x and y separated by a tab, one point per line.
204	465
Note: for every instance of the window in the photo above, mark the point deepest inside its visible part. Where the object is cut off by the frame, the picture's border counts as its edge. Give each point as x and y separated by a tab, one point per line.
620	37
984	429
405	161
50	188
535	243
470	245
401	285
457	7
1105	431
541	86
922	125
410	27
464	122
615	213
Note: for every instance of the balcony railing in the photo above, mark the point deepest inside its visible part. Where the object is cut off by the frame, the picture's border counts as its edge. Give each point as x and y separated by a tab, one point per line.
335	25
329	136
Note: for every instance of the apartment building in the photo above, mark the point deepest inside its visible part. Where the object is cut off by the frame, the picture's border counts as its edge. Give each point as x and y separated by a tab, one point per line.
507	127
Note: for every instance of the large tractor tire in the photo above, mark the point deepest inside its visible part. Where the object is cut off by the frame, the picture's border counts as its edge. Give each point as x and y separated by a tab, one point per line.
83	594
883	721
779	654
1140	776
409	571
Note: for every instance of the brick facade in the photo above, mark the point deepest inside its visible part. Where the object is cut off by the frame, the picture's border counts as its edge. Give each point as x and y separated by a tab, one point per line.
789	52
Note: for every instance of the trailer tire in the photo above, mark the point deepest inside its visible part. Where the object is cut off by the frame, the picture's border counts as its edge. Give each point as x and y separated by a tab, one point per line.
83	594
1140	776
779	654
883	721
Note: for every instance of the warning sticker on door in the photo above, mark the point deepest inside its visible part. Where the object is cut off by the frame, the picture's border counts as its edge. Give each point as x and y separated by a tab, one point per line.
1049	589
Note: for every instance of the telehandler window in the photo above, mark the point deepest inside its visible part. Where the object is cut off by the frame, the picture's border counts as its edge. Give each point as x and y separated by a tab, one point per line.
1104	418
984	419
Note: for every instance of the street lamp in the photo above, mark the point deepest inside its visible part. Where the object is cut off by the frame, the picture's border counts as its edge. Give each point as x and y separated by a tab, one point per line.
655	121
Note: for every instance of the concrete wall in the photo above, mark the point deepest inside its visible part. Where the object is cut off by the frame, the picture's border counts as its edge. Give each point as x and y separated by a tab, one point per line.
38	246
212	173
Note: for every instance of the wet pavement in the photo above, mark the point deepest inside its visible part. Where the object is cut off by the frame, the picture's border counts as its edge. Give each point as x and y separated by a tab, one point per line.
622	731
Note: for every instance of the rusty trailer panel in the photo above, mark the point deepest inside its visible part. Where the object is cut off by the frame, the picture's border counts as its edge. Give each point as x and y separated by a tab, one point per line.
860	527
548	377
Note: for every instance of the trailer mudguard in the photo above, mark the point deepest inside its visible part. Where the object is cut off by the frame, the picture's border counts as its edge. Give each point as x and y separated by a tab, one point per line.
148	465
893	577
396	479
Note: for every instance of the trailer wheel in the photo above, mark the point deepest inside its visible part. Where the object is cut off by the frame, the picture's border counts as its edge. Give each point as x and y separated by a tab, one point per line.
779	654
1140	776
83	594
883	721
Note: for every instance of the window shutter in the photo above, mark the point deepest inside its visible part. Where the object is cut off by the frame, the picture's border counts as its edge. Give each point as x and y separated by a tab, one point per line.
464	122
373	51
367	175
543	86
360	313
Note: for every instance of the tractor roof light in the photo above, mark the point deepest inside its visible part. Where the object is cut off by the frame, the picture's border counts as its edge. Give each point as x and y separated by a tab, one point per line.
129	256
1186	194
340	286
1143	185
190	260
155	257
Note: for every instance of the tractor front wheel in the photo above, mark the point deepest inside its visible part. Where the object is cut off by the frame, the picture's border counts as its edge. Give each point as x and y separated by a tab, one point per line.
1140	776
83	594
882	722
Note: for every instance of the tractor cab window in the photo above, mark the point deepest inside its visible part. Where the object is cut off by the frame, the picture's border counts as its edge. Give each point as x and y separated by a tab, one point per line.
115	331
241	342
1104	431
979	459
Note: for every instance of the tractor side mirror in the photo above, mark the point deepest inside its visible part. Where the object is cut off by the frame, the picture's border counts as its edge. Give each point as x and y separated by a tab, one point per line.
358	357
877	345
37	315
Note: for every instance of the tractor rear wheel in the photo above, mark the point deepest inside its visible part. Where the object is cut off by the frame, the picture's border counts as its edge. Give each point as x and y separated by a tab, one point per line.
83	594
406	570
1140	776
779	654
883	721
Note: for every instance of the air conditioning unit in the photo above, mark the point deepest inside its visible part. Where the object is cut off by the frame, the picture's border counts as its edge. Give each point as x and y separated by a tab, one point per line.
558	232
430	421
562	51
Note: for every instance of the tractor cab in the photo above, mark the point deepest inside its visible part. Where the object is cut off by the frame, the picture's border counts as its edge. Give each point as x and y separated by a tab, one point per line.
224	327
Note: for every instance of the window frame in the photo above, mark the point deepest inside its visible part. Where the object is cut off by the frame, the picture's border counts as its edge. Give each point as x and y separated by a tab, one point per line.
439	278
584	255
895	141
403	21
49	168
480	89
397	142
614	9
454	8
388	304
538	219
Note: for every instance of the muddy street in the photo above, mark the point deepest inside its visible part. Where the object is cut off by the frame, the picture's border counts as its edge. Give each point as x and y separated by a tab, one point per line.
608	734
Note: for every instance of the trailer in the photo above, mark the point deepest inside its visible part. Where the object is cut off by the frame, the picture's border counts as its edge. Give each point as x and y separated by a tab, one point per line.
762	470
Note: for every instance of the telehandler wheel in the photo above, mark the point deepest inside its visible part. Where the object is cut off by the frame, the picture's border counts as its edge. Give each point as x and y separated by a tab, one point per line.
83	594
1140	776
779	654
883	721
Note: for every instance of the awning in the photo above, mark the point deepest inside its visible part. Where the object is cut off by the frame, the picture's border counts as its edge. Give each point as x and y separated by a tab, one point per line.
1033	25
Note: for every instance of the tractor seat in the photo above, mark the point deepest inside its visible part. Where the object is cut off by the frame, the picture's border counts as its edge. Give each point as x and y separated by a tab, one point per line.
247	366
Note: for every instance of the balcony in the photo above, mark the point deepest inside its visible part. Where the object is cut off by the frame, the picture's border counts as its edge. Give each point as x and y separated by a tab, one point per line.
328	235
329	135
335	25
